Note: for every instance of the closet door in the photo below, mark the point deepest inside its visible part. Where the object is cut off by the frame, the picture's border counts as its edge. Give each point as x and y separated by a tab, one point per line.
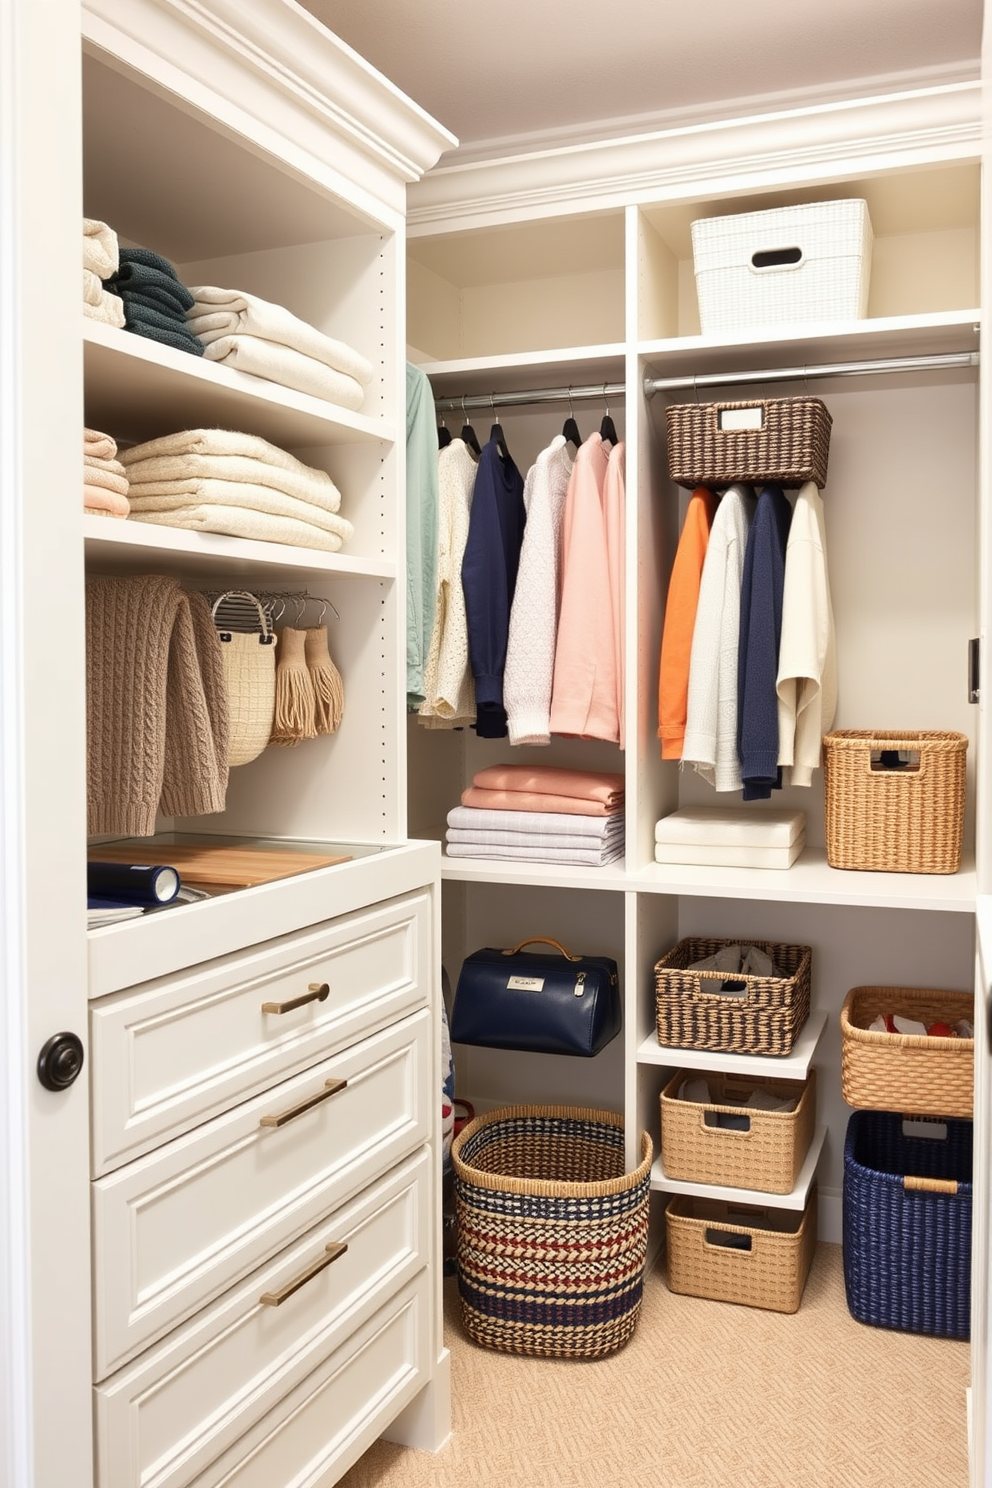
45	1433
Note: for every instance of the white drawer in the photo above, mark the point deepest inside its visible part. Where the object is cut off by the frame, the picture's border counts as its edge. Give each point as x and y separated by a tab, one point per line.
321	1427
174	1229
171	1413
171	1053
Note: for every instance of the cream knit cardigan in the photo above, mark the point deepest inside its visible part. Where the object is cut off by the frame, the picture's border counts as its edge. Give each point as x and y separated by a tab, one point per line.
449	689
807	660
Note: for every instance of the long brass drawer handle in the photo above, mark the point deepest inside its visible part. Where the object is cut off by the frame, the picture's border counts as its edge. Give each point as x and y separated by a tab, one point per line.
331	1253
331	1088
318	992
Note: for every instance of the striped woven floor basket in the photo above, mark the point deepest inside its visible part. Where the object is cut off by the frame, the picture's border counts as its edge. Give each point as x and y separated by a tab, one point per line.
552	1233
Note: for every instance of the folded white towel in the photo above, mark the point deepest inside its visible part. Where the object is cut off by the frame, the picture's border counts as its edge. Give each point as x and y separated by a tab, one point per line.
249	498
591	857
219	442
107	308
549	840
726	855
100	249
228	312
174	475
592	829
237	521
741	826
105	476
288	368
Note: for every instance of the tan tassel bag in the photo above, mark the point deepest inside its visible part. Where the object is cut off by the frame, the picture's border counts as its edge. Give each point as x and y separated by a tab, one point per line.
327	684
296	703
250	673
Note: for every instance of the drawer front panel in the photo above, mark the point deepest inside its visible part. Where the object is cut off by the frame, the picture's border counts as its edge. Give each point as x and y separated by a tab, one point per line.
167	1416
174	1229
322	1426
167	1055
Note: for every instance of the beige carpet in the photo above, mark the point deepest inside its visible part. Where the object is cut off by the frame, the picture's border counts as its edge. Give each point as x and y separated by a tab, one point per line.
705	1395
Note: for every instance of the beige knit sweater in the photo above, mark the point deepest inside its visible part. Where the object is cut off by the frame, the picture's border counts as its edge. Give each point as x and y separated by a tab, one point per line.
156	705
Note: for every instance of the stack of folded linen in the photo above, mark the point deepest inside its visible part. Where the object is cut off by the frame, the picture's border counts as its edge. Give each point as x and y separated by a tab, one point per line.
100	260
216	480
730	837
105	483
539	814
155	300
268	341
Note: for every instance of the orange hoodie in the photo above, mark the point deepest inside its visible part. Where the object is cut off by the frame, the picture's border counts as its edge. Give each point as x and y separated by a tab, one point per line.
680	619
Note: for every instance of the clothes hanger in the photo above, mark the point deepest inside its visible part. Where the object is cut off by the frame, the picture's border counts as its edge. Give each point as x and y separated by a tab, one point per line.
469	435
443	434
570	429
608	429
496	432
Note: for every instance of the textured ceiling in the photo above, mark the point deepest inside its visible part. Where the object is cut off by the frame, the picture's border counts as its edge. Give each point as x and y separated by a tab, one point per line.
494	69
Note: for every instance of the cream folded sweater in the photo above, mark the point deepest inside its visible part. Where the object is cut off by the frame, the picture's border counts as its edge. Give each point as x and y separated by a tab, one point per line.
170	475
226	312
101	254
246	497
220	442
288	368
239	521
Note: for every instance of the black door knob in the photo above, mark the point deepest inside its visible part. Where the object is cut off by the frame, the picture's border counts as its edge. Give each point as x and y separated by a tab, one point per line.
60	1061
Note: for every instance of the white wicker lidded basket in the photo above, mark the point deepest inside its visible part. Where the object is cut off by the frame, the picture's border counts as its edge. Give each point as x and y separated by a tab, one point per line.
789	264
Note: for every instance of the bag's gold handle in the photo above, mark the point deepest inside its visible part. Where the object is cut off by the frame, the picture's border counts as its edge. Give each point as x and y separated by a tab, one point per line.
331	1087
331	1253
543	940
317	992
931	1185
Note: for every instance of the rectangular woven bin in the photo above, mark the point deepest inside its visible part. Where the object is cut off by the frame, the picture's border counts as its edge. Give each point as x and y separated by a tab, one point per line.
791	445
766	1156
895	818
740	1252
907	1225
909	1073
747	1015
551	1231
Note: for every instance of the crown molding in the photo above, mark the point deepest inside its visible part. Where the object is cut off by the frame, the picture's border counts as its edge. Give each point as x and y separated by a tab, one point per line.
271	72
911	127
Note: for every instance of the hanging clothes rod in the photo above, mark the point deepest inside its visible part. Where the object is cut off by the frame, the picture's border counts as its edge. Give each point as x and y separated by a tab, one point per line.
600	391
874	368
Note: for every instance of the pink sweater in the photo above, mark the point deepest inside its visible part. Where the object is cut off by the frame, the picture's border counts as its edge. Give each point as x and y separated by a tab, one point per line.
584	696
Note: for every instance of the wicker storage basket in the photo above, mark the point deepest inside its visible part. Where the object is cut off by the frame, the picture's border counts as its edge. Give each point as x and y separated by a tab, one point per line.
898	817
766	1156
740	1252
910	1073
742	1015
907	1225
789	442
551	1232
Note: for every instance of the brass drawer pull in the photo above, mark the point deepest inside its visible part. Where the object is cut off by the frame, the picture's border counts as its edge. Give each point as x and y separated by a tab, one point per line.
318	992
331	1088
331	1253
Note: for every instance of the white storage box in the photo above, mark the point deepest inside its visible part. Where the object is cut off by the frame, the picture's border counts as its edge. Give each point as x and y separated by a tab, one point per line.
730	837
805	263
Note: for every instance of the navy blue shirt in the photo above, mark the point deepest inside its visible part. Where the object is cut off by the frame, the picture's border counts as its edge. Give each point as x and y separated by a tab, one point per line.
757	654
489	577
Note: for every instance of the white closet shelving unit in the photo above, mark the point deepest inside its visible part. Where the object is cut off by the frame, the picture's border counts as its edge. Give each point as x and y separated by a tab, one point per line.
573	268
249	1176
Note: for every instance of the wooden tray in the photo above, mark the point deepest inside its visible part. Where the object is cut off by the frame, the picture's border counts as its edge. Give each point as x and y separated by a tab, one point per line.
242	867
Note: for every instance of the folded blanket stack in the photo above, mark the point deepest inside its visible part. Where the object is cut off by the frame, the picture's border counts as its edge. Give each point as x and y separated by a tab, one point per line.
100	261
155	300
216	480
730	837
541	814
268	341
105	484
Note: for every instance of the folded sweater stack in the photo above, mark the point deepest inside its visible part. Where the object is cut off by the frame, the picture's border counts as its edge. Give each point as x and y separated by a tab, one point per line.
100	261
730	837
217	480
105	483
543	814
155	300
267	340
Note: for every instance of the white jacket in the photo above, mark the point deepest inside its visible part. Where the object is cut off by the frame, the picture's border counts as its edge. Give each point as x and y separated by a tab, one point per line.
807	661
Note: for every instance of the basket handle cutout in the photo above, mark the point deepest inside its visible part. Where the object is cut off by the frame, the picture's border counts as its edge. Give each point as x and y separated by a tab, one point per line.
777	258
906	761
921	1126
727	1121
727	1240
931	1185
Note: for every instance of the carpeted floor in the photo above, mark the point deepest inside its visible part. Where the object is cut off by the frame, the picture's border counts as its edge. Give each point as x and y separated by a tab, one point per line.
705	1395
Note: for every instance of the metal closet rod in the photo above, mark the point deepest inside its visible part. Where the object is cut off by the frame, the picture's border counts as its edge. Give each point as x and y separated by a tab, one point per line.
601	391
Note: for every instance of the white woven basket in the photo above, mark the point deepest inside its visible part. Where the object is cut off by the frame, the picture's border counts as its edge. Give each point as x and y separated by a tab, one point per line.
805	263
250	673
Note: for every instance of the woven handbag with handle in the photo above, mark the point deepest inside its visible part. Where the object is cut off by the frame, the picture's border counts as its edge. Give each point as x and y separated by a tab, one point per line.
250	673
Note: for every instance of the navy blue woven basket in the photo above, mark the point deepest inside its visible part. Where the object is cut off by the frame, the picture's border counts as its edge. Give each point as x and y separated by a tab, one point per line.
907	1250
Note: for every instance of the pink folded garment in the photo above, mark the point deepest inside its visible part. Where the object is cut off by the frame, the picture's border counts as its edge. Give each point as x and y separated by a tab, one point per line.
107	503
521	800
584	785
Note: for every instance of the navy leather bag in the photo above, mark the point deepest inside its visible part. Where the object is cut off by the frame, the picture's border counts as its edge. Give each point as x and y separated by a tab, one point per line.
542	1004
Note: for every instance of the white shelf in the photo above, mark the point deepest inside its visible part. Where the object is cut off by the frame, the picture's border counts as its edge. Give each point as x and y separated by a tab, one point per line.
528	369
127	547
792	1066
139	389
827	341
794	1200
811	880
